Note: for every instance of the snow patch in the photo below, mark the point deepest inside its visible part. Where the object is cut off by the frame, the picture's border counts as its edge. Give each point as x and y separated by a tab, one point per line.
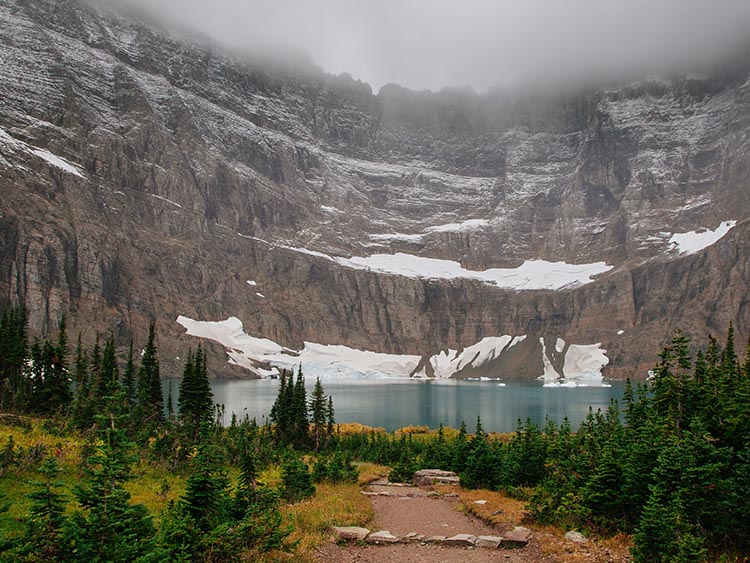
559	345
324	360
550	374
584	362
57	161
396	237
695	241
620	332
260	295
164	199
252	282
463	226
12	144
265	358
531	275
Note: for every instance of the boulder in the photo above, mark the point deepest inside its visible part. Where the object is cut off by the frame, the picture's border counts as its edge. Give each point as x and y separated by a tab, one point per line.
461	540
381	538
426	477
492	542
576	537
349	533
517	537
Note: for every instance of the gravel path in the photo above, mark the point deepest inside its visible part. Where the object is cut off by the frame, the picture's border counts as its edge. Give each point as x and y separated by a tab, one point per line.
413	511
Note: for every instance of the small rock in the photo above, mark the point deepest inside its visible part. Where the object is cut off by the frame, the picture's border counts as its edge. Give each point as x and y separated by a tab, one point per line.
349	533
381	538
493	542
576	537
517	537
433	494
480	502
461	540
450	495
434	539
425	477
413	537
497	512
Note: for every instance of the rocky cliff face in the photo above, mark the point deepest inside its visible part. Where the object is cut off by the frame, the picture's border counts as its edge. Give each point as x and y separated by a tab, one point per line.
145	177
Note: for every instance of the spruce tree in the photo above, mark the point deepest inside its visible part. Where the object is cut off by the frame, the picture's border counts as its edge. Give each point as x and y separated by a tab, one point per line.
110	528
318	412
44	539
128	378
330	418
300	421
150	397
195	402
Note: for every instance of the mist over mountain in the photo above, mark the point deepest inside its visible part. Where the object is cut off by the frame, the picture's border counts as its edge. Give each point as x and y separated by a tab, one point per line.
521	231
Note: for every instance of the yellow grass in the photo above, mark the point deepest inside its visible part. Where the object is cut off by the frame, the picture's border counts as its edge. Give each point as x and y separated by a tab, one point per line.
504	512
333	505
369	472
357	428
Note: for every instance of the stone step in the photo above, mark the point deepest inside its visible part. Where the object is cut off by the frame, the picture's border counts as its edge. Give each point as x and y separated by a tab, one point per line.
517	537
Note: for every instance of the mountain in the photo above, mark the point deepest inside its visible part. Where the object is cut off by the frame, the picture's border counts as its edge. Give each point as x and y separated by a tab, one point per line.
288	215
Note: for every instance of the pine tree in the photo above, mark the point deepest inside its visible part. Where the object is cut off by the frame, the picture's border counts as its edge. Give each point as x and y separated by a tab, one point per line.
205	492
128	378
110	528
83	414
195	402
296	481
44	539
300	421
150	398
330	418
318	412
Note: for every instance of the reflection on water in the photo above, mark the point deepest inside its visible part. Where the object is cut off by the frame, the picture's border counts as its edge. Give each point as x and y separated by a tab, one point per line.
393	403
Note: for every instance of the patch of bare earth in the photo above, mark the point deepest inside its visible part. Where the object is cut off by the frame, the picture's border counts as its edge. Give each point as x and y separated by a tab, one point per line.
409	509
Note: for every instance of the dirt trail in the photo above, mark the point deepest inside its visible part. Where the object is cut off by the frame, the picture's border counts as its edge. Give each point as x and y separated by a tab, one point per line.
413	511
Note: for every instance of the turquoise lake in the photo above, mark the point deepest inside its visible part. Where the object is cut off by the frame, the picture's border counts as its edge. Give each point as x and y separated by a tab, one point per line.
392	404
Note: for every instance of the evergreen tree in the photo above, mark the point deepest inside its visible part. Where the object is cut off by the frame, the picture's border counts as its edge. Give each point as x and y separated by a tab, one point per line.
150	398
318	412
300	420
460	450
43	540
282	411
83	413
110	528
14	351
128	378
296	481
330	418
195	402
205	493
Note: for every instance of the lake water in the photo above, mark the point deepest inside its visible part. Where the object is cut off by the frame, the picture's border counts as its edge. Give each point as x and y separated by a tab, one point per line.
392	404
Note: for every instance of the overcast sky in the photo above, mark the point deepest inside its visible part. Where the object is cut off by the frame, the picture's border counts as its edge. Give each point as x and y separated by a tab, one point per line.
434	43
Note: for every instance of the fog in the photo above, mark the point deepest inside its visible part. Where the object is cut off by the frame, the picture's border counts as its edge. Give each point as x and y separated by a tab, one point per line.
428	44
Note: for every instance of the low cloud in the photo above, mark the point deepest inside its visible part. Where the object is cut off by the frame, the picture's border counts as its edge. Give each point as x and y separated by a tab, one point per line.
435	43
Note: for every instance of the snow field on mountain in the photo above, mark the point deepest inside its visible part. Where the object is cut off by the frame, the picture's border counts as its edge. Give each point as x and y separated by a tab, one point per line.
264	357
695	241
